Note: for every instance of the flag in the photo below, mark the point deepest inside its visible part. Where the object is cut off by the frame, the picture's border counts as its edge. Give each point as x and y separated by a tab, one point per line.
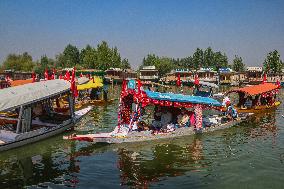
178	80
46	75
264	80
196	80
278	83
33	76
53	73
67	76
60	76
73	83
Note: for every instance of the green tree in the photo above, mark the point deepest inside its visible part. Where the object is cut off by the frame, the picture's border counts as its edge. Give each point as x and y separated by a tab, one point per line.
238	64
21	62
208	58
220	60
125	64
197	59
273	63
88	57
70	56
44	63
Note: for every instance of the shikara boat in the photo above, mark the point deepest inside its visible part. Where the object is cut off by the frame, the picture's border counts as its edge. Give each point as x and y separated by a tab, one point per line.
94	85
133	94
256	98
27	113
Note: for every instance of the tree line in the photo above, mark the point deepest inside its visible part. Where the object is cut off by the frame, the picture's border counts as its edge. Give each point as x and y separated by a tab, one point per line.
199	59
101	57
104	57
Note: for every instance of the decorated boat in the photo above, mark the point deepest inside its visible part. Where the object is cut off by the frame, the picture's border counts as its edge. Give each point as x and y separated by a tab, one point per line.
256	98
27	112
131	116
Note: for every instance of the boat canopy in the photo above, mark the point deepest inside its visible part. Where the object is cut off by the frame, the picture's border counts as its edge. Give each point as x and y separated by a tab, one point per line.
93	83
14	97
211	85
21	82
172	97
256	89
82	80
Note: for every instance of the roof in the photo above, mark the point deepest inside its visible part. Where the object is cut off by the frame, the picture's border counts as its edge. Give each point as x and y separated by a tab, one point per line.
20	82
256	89
14	97
172	97
82	80
212	85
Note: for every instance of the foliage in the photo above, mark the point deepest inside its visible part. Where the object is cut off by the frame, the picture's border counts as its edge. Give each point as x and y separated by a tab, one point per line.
273	63
163	64
21	62
206	59
238	64
69	58
44	63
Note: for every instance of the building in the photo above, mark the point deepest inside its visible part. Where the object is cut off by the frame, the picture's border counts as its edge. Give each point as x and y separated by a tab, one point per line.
254	75
117	75
226	76
208	75
149	73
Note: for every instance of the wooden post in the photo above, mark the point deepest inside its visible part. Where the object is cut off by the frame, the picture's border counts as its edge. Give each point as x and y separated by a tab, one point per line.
19	120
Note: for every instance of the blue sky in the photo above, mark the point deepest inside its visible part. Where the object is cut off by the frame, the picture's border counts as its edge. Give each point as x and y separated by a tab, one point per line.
173	28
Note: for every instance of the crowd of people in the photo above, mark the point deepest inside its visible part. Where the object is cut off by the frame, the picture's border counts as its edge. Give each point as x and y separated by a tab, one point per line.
168	119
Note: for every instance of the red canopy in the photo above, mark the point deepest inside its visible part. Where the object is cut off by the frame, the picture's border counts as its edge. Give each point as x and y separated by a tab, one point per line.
256	89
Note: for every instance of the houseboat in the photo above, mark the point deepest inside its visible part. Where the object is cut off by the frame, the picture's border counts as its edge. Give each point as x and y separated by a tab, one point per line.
254	75
117	75
149	73
226	76
27	112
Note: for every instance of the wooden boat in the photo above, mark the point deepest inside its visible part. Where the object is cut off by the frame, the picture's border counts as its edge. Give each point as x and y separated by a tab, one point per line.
126	131
35	117
262	97
101	102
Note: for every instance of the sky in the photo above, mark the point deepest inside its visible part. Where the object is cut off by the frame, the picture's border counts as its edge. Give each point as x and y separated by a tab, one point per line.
170	28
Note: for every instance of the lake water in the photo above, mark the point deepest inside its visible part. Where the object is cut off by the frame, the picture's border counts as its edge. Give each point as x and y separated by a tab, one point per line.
250	155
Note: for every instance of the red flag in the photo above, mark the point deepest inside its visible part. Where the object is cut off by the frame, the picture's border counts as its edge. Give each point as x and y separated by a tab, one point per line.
73	83
278	83
46	75
264	80
67	76
60	76
53	73
33	76
178	80
196	80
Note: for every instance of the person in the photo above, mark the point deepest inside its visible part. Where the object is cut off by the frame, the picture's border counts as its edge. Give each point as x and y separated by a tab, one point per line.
157	118
231	111
105	92
183	118
166	118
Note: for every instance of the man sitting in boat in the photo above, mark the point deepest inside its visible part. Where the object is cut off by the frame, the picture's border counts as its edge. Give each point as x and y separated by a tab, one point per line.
166	118
183	118
231	111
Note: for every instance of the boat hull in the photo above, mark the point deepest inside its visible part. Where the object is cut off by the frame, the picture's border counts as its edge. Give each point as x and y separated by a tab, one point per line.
142	136
49	133
258	109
